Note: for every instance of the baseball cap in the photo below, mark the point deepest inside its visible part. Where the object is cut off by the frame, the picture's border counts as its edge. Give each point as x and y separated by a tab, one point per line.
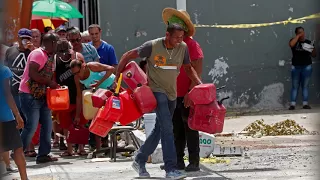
25	33
61	28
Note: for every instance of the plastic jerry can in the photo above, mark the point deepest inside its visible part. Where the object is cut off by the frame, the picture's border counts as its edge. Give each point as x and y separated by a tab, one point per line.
114	104
58	99
99	125
222	115
99	97
145	99
131	112
88	110
205	118
134	75
203	94
78	135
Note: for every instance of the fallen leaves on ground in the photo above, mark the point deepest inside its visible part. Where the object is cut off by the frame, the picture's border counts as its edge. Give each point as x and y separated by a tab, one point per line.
213	160
286	127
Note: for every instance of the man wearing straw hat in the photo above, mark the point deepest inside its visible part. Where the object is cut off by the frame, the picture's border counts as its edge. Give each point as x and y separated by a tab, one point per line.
164	58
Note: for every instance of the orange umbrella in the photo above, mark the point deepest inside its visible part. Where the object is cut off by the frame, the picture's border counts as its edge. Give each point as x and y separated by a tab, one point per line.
40	22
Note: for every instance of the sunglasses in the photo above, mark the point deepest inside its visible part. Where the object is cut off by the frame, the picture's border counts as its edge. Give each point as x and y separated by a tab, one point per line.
75	40
75	73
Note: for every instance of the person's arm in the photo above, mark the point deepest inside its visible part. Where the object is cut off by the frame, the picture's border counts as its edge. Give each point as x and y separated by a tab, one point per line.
78	99
80	57
294	40
191	73
143	51
197	66
99	67
10	100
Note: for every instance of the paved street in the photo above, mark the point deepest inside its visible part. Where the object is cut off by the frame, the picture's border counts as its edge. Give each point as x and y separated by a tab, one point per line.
276	158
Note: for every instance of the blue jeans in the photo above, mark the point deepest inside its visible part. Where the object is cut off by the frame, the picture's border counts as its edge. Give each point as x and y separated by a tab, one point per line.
36	111
163	129
300	76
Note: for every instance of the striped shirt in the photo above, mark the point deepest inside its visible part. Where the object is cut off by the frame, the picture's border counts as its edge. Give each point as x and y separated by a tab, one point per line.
89	53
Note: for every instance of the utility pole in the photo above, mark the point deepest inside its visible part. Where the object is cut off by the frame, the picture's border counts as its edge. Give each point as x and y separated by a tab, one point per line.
11	21
25	13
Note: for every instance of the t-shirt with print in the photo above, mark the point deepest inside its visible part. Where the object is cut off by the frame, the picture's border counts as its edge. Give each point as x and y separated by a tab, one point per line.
301	57
5	111
164	65
183	81
107	54
38	56
16	61
89	53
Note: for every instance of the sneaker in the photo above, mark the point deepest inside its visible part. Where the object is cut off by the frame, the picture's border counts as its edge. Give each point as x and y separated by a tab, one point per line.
10	168
192	168
175	175
306	107
180	166
143	173
292	107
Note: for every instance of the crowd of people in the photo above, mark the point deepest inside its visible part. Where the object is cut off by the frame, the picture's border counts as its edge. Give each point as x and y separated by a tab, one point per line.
67	57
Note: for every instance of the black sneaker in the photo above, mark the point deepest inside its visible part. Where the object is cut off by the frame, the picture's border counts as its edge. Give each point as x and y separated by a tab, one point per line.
292	108
306	107
180	166
192	168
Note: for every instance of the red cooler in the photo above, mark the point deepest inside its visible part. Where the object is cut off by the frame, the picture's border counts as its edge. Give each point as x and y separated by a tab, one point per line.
134	75
206	118
145	99
203	94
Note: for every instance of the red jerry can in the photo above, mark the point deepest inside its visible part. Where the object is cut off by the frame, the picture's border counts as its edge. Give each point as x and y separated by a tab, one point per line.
131	112
99	97
144	98
203	94
134	75
205	117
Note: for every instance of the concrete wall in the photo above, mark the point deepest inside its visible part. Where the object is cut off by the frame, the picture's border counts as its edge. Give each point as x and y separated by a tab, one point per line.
254	63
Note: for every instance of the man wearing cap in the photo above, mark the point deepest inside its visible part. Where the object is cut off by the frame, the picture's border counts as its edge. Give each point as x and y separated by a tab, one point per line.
164	58
16	60
62	32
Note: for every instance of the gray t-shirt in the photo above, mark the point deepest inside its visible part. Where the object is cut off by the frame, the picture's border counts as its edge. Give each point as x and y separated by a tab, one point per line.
16	60
163	65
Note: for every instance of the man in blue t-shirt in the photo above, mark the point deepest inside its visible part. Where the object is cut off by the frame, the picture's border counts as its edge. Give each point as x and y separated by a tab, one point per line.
106	51
10	123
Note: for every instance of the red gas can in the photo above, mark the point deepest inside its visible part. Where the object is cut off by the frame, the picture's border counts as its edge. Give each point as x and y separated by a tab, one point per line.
134	75
36	136
203	94
222	115
78	135
144	98
205	118
99	125
131	112
99	97
58	99
114	105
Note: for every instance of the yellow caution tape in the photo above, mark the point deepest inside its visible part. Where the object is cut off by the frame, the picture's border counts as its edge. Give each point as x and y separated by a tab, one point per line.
244	26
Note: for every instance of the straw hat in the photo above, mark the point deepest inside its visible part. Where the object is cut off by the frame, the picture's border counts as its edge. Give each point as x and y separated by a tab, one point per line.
167	13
